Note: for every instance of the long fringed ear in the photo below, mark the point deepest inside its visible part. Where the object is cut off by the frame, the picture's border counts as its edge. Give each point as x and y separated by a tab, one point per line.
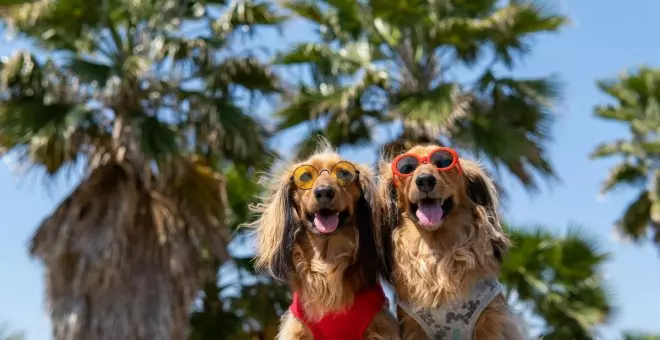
388	196
277	230
482	191
372	251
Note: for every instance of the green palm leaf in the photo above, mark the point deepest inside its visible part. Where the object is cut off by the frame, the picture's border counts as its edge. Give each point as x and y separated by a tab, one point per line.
248	73
625	174
560	278
89	71
637	105
246	15
635	218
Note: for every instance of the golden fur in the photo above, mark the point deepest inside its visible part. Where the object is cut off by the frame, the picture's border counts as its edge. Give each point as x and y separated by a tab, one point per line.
326	270
434	266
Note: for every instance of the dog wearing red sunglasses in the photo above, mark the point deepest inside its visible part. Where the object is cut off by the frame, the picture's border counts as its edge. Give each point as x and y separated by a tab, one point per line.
447	246
319	230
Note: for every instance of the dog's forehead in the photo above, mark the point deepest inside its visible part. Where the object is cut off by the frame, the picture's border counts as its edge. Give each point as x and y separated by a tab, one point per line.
324	161
422	150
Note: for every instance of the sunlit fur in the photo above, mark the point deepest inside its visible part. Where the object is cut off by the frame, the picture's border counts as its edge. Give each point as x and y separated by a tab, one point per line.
326	270
434	266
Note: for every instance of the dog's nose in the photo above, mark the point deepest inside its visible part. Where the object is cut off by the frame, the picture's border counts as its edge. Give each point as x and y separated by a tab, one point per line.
425	182
324	194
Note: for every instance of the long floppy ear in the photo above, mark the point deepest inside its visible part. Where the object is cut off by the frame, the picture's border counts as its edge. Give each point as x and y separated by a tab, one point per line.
388	195
372	251
482	191
277	230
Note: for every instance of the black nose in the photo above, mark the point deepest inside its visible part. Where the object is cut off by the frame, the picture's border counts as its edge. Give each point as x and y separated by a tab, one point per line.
425	182
324	195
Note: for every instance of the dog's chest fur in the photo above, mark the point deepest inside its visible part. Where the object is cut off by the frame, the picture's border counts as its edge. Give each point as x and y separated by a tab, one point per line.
432	270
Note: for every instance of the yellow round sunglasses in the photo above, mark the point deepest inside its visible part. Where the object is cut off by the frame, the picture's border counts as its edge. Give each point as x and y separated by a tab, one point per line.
343	172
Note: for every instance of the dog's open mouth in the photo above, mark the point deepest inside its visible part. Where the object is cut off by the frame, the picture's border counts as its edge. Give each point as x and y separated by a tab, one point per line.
327	221
429	212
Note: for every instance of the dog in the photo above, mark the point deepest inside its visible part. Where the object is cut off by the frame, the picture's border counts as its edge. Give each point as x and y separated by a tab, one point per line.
319	230
447	247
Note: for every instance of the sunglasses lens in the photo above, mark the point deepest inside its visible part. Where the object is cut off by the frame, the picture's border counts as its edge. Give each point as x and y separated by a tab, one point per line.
441	159
304	176
406	165
344	173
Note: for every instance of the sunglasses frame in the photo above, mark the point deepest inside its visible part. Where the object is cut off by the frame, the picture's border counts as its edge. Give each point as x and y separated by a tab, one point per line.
425	160
318	174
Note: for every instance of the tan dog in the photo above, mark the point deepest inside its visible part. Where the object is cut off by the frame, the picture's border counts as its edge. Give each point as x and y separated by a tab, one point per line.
447	247
319	230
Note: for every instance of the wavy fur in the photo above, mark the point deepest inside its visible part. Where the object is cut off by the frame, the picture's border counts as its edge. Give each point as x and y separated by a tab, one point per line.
432	268
326	270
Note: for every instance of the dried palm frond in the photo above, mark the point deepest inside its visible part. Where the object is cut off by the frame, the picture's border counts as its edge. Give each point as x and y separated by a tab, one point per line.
122	253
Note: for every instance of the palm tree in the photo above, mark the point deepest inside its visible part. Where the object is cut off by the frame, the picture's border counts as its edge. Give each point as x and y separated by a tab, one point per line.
636	104
144	96
559	279
436	71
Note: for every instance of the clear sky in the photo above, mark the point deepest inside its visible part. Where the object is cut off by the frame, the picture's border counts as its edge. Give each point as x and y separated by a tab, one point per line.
606	37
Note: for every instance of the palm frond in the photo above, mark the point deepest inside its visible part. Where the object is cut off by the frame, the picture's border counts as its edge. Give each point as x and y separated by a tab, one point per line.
248	73
50	136
505	30
635	220
89	71
309	10
441	106
560	277
246	16
157	138
625	174
619	147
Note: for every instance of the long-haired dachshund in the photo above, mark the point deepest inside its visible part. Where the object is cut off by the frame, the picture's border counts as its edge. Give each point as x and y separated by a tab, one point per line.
319	231
447	247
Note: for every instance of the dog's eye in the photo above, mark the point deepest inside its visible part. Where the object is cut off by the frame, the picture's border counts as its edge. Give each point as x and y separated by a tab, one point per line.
406	165
344	172
305	177
344	175
442	159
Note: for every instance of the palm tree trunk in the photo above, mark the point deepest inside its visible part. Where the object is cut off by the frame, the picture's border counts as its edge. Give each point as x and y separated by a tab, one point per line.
119	264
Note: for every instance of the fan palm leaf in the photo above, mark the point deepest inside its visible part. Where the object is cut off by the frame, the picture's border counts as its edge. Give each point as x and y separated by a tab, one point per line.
560	279
637	96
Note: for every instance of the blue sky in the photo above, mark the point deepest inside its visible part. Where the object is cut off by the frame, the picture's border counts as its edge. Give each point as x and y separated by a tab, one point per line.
606	37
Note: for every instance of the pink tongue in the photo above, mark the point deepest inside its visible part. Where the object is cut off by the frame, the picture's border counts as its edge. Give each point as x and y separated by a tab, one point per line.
326	223
429	214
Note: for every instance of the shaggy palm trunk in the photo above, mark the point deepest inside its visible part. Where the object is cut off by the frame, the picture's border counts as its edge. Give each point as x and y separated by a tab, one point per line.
119	264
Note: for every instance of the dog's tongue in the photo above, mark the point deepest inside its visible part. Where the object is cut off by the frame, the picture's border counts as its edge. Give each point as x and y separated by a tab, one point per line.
326	223
429	214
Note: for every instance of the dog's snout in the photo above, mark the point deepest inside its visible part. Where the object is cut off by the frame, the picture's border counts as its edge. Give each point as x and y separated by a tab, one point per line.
425	182
324	195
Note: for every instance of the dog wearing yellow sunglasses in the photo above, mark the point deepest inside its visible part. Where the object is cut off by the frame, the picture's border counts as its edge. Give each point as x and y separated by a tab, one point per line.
319	230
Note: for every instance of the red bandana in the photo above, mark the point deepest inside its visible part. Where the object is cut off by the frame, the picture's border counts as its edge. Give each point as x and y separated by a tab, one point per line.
346	325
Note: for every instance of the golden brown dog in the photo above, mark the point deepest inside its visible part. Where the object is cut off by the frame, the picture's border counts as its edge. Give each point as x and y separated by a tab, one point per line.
319	230
447	247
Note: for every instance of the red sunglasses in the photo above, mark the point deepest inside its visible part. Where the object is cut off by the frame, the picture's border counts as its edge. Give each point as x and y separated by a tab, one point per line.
444	159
